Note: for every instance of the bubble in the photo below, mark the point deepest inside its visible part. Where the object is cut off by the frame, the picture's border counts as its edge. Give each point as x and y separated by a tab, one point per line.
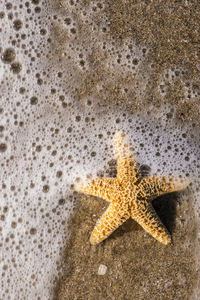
3	147
17	24
33	231
54	153
13	224
69	129
43	31
36	2
73	30
38	148
45	188
2	14
16	67
8	5
67	21
59	174
8	55
78	118
61	201
93	153
5	267
2	217
34	100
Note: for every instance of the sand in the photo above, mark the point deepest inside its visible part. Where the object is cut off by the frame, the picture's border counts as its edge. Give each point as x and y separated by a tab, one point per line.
135	266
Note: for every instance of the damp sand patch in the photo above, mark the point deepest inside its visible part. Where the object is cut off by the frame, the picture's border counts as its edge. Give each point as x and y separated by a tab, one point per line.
136	265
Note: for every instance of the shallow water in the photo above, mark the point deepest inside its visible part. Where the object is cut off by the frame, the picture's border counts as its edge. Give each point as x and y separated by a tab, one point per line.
73	73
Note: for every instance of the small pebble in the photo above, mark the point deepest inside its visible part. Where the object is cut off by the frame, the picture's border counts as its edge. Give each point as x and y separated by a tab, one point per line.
102	270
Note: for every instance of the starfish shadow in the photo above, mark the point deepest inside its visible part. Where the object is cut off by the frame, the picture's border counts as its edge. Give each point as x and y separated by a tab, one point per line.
126	227
165	207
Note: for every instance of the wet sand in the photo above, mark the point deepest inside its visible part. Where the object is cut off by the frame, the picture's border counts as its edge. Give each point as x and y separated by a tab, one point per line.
136	265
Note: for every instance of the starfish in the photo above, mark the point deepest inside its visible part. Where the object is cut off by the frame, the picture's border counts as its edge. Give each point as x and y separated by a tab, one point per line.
130	195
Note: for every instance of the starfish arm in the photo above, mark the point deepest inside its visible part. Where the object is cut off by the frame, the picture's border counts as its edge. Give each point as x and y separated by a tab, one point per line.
149	220
113	217
127	168
152	187
100	187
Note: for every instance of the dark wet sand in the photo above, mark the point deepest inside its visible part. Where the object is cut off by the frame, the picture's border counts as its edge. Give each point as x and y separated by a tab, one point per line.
138	267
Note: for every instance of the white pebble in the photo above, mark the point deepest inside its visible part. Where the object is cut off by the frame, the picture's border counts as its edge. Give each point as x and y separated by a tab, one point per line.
102	270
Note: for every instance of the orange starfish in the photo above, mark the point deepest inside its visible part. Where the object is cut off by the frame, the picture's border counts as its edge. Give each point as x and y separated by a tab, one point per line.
130	195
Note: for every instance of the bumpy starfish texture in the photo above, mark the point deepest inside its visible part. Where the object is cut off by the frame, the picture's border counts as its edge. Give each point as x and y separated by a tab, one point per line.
130	195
